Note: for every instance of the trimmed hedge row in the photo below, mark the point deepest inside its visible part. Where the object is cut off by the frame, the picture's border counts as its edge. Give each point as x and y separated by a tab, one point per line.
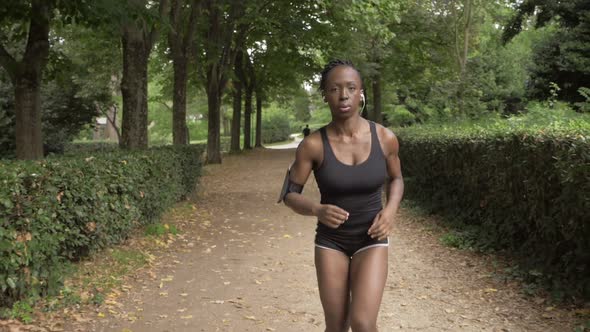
527	191
64	208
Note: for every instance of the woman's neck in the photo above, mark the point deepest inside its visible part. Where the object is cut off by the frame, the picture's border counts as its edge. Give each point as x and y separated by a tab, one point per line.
348	127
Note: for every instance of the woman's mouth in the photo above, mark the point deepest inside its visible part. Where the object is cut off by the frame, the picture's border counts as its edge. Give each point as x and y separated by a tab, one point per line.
344	108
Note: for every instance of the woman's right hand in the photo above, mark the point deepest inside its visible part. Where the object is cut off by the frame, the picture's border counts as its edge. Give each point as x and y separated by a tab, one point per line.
331	215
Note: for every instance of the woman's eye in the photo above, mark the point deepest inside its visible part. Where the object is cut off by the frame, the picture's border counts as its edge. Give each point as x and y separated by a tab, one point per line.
352	88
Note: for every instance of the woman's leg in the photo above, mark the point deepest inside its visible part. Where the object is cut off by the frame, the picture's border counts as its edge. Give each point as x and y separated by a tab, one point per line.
332	268
368	273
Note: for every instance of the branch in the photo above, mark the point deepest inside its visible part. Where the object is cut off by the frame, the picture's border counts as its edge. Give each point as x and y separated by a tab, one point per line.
164	7
8	62
192	27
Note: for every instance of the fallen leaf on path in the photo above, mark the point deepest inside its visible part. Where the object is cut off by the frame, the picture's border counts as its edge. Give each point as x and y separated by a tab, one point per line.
582	312
250	317
186	317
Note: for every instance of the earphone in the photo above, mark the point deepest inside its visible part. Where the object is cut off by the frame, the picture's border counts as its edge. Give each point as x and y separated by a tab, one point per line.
363	100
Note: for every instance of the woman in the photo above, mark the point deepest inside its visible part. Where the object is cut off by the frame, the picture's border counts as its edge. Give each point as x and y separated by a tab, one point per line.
352	159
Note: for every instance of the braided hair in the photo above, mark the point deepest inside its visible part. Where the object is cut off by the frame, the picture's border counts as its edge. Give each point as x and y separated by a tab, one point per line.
331	65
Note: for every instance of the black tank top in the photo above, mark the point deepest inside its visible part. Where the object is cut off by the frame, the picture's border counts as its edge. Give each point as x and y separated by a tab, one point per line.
356	188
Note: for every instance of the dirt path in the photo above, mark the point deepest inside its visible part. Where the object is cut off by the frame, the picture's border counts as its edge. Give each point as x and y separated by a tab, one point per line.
246	264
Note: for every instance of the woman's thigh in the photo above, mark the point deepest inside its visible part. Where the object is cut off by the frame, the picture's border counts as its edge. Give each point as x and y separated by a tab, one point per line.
332	268
368	273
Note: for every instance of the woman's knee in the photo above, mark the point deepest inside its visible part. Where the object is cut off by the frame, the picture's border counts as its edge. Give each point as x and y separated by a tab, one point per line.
362	323
336	326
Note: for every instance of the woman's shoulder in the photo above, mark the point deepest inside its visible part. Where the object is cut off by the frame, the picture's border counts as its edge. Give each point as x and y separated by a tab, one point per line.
311	146
384	132
387	138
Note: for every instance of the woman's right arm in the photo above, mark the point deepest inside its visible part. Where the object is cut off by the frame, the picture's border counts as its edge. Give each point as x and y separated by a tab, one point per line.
330	215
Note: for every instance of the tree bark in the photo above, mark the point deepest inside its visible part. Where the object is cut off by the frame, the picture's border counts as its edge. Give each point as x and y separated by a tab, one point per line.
179	128
258	119
26	76
136	50
219	57
250	86
137	40
236	121
248	119
213	126
180	41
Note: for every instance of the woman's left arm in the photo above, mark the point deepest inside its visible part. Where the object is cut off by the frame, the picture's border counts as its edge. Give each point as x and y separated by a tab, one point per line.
383	223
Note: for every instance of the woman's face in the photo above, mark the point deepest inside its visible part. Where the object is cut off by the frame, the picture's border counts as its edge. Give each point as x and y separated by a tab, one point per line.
343	91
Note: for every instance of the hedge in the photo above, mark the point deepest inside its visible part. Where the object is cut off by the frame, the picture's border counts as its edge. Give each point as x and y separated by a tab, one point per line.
62	209
526	191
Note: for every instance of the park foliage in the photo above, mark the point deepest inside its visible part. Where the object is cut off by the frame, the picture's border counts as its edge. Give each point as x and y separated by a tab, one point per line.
63	209
467	173
186	71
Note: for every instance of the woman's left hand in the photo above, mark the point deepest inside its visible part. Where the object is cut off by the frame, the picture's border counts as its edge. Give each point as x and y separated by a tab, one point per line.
382	225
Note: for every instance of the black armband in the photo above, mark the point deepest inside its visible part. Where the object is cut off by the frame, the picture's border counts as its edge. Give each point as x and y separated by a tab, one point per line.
289	187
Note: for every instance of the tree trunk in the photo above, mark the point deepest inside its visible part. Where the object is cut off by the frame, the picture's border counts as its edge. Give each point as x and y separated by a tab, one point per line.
27	103
180	41
258	120
248	118
179	128
377	116
236	118
26	76
236	121
219	57
113	132
214	123
136	52
250	87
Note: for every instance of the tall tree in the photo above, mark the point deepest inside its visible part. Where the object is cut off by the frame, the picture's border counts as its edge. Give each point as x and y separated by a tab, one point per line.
139	32
26	73
183	22
367	27
250	87
564	58
237	102
221	20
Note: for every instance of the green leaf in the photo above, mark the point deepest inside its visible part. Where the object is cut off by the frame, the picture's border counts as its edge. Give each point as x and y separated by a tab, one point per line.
11	283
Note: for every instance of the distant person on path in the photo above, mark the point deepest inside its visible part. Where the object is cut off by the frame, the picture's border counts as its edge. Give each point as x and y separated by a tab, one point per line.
352	159
306	131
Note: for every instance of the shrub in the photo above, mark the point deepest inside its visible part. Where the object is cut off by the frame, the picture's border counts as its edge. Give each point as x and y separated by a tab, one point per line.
64	208
276	128
399	116
526	189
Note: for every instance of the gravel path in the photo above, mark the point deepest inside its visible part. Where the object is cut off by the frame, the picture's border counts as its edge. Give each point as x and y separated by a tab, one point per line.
245	263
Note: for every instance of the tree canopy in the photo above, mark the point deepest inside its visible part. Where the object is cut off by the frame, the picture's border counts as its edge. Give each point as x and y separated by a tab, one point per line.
176	67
